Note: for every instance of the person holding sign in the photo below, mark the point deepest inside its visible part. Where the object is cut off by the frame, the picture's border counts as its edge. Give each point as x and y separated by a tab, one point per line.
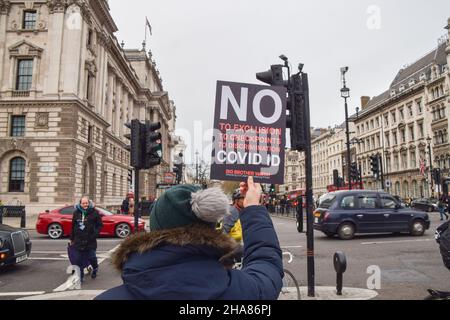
182	258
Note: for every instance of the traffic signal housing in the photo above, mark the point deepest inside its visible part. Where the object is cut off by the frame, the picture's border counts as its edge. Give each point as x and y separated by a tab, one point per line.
153	145
145	144
273	77
354	172
296	88
375	165
135	147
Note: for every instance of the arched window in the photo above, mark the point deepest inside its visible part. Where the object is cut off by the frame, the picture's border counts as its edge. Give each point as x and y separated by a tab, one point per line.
397	188
405	189
17	175
415	190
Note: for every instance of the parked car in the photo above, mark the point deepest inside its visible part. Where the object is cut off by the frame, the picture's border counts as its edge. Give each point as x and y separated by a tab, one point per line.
15	245
58	223
346	213
428	205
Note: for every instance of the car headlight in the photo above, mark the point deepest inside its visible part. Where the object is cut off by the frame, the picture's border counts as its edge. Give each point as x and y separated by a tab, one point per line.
26	235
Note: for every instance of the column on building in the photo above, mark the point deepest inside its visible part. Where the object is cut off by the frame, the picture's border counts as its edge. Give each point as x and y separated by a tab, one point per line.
54	48
73	70
110	101
119	88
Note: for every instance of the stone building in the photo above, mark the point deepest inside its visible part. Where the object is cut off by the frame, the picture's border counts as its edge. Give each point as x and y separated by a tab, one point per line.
407	121
67	87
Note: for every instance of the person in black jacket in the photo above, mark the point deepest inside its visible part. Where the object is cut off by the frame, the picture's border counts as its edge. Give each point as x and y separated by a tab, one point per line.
86	226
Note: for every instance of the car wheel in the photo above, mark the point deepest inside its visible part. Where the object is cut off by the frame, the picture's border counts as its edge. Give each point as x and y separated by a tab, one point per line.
123	230
346	231
55	231
417	228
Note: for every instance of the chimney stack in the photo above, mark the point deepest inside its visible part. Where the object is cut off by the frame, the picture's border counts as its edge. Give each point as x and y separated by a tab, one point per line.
364	101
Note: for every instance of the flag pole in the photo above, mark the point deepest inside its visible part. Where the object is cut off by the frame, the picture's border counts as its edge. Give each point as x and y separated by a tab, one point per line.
145	41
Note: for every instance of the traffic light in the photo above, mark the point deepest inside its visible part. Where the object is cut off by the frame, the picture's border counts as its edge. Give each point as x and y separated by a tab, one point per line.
135	148
130	177
296	108
375	165
272	189
153	145
274	76
297	89
354	172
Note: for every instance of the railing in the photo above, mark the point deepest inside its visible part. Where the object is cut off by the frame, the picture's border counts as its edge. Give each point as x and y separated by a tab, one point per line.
21	94
13	212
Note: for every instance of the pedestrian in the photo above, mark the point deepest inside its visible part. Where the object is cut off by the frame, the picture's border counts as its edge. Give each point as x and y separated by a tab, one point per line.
86	226
231	224
125	207
442	206
182	258
131	206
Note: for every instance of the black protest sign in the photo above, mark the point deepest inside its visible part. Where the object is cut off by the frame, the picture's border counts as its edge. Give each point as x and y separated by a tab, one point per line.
249	133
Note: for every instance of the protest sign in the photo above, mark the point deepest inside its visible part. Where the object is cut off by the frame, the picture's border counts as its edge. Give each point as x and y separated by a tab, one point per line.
249	133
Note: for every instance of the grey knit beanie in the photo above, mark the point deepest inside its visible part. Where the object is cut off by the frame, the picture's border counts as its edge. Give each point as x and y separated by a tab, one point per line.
184	205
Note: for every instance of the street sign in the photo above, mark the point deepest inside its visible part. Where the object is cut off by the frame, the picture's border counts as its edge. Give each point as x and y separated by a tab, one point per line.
169	178
249	133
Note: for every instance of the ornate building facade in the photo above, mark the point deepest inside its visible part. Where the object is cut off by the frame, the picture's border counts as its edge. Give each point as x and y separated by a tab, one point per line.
407	122
67	87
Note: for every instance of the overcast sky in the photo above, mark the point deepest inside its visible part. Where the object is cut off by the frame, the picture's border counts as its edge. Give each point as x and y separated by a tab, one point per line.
197	42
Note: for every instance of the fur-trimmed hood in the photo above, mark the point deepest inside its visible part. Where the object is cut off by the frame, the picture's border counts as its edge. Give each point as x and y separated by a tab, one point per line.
195	235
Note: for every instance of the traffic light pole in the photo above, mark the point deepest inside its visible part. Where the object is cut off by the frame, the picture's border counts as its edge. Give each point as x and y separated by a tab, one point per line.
309	191
380	159
137	210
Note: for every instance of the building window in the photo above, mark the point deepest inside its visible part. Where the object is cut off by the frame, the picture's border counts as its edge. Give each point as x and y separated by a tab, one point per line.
388	163
387	140
386	119
411	133
412	156
24	75
419	106
403	135
402	115
410	111
394	119
29	20
17	175
17	126
394	134
421	133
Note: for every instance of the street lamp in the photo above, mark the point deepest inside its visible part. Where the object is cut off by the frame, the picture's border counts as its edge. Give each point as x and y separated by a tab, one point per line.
345	93
431	164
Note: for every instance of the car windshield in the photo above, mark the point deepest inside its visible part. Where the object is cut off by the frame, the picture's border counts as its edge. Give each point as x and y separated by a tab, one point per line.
326	201
104	211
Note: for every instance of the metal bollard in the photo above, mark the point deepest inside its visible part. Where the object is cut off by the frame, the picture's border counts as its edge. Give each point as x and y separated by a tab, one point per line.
340	265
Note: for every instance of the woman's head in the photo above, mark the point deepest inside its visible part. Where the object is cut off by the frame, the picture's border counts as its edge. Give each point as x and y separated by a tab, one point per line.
185	205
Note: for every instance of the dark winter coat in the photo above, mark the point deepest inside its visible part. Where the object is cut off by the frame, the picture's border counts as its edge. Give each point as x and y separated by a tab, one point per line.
86	238
183	263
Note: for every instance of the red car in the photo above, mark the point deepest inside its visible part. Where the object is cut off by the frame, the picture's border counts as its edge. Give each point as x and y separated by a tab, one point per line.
58	223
